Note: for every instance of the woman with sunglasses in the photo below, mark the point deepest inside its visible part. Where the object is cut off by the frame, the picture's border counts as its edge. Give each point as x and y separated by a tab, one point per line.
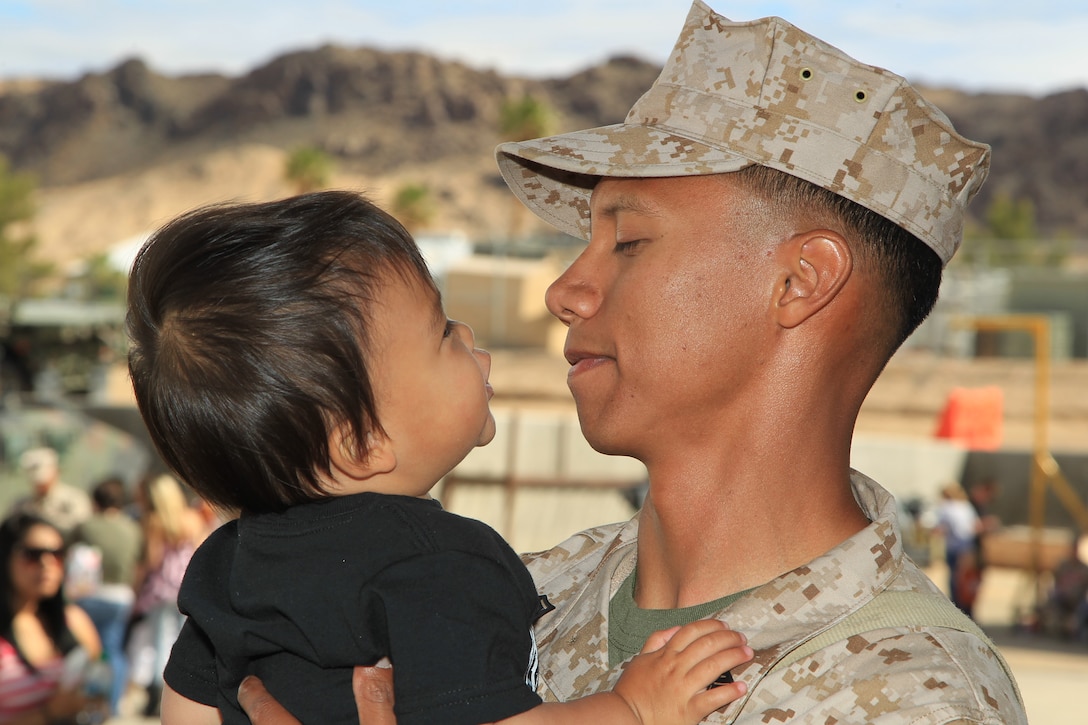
39	631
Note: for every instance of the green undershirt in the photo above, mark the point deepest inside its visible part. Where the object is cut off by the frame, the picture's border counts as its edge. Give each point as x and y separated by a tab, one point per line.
629	626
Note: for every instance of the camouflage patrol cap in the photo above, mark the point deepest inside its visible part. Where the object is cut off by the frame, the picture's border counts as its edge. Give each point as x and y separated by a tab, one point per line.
765	92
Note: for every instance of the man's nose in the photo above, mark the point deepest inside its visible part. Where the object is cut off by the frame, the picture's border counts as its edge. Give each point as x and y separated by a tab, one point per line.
577	292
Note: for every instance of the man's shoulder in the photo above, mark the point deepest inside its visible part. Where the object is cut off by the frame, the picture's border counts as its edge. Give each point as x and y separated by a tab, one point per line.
583	552
899	674
908	655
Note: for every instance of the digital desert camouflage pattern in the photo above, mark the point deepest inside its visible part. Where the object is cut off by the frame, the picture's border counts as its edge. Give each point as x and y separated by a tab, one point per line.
765	92
896	675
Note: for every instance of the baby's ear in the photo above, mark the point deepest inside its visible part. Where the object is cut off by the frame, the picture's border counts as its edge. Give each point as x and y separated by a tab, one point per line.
347	460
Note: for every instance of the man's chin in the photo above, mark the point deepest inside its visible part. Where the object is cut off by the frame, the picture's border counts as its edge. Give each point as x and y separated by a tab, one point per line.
601	439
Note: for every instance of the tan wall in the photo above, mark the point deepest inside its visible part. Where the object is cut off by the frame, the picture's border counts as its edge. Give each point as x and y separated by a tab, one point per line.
503	301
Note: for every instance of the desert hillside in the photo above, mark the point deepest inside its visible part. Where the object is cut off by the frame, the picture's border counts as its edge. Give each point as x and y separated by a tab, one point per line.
76	221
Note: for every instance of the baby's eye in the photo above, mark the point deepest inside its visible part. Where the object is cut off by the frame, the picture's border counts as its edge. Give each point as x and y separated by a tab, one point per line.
449	328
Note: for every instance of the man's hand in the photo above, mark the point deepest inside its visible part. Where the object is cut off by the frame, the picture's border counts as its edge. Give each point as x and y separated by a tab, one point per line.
262	708
372	687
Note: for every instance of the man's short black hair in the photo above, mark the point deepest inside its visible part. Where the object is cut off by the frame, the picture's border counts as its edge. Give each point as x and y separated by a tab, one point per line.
909	270
248	327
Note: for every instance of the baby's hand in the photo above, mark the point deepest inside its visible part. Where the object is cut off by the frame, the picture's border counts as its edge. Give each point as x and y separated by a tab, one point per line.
668	682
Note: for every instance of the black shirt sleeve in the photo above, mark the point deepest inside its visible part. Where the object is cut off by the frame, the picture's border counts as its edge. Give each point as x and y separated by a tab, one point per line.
190	671
460	639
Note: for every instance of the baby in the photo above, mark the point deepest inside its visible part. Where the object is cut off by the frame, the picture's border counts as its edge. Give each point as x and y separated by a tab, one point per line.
293	364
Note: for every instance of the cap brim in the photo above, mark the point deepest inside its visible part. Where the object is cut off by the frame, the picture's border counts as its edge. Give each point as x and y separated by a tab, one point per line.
555	176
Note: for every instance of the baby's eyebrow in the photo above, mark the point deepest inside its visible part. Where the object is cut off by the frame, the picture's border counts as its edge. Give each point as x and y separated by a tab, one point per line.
438	311
440	318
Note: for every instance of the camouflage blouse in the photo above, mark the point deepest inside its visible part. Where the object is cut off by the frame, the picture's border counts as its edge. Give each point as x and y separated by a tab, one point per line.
896	674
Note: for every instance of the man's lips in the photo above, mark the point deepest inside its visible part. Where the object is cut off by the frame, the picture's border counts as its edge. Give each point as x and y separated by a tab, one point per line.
581	361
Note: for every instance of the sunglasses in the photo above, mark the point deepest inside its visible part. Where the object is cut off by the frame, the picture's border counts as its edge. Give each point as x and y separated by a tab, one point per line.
35	554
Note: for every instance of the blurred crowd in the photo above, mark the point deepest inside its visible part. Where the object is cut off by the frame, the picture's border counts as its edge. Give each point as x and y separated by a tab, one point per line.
89	607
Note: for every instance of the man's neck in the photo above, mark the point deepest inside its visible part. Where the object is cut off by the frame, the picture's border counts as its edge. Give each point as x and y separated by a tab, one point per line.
708	530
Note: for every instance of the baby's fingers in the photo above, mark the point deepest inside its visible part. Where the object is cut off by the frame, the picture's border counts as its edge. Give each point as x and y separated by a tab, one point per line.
707	645
710	676
711	668
659	639
710	700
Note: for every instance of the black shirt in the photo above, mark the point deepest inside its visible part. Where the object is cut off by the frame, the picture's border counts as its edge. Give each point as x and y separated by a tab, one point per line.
301	597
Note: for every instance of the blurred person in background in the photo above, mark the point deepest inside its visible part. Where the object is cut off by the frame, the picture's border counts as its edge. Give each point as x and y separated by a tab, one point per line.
1064	613
959	525
983	496
116	539
64	505
172	530
41	635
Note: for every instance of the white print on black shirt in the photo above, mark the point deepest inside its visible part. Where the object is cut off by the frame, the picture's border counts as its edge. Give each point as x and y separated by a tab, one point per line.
532	672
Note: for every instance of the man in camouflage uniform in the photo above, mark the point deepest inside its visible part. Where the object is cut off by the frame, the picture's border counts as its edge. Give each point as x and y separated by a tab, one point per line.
764	230
724	329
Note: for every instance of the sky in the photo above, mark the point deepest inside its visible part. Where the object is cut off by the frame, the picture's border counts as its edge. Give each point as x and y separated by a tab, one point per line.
1015	46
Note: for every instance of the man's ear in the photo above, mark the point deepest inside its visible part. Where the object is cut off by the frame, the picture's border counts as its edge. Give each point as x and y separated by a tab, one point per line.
815	267
379	456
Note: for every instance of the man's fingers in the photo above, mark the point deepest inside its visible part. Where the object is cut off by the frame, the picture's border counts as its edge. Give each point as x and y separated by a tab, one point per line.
260	705
373	689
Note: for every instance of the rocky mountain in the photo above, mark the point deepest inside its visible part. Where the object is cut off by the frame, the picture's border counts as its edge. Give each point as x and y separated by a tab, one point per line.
1040	151
370	109
386	117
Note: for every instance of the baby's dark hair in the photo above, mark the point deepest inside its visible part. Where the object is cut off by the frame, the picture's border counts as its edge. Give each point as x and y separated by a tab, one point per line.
248	330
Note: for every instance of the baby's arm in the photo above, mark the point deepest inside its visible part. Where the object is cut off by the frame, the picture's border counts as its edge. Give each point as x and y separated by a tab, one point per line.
667	683
180	710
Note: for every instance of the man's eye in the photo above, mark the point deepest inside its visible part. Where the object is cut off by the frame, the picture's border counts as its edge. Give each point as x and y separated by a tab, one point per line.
627	247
